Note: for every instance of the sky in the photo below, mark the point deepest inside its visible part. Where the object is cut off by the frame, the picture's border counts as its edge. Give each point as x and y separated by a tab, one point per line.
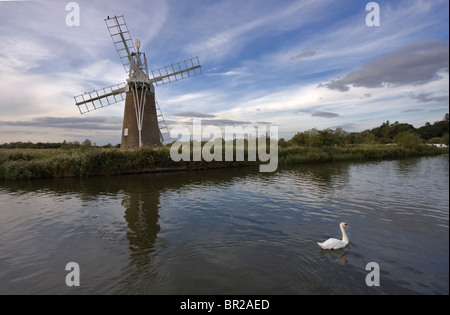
294	64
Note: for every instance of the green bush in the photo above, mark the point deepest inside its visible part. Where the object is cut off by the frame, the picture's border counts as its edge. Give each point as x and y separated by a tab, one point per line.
408	139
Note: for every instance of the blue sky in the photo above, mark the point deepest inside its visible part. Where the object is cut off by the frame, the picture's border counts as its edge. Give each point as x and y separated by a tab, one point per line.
294	64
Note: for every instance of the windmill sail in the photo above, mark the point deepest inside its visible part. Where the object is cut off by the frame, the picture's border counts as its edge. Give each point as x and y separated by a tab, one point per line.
176	71
96	99
163	129
121	38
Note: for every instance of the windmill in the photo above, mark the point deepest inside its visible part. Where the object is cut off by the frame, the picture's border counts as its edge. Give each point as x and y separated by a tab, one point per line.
143	122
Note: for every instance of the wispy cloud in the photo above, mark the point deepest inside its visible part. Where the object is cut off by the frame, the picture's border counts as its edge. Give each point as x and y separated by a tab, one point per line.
231	72
414	64
429	97
193	114
319	113
88	123
217	122
308	52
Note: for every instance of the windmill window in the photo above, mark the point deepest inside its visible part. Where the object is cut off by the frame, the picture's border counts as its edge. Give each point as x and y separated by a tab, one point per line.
125	132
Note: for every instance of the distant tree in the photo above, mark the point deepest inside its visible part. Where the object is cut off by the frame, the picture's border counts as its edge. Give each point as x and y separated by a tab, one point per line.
408	139
86	143
386	132
369	138
341	137
282	143
438	129
324	138
300	139
397	128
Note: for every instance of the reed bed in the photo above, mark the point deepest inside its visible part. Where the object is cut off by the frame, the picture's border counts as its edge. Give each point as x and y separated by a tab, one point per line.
19	164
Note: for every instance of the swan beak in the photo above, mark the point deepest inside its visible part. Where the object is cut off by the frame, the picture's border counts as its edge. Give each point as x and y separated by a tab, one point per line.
346	225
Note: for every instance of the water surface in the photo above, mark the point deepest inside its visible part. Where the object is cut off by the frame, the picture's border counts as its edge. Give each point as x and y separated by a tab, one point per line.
233	231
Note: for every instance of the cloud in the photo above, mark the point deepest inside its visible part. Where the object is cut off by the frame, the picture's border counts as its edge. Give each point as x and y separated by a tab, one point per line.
304	54
218	122
346	126
428	98
324	114
193	114
224	122
415	64
185	97
233	72
318	113
412	110
88	123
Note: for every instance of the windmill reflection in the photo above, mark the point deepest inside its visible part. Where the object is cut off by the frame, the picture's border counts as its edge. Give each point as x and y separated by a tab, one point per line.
141	214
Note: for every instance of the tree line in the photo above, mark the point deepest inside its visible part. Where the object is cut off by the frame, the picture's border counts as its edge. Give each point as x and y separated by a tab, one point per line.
400	133
55	145
388	133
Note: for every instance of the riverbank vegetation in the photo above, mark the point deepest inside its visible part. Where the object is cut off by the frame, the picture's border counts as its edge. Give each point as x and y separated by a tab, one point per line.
389	141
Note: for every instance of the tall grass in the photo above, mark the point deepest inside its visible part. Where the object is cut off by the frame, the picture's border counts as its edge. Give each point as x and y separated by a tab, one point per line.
300	155
16	164
43	163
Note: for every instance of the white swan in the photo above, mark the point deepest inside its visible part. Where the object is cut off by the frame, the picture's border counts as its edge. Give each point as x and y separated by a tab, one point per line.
333	243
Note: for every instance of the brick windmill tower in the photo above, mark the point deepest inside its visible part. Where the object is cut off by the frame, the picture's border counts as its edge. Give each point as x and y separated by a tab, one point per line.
143	121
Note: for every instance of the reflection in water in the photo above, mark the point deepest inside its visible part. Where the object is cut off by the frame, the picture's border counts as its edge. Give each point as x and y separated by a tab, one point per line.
338	256
141	213
232	231
323	175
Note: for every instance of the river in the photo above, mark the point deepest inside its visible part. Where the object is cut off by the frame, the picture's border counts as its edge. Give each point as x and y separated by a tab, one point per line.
231	231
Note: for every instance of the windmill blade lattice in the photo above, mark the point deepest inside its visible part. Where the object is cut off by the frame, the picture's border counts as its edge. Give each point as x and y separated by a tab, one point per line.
121	38
176	71
96	99
163	129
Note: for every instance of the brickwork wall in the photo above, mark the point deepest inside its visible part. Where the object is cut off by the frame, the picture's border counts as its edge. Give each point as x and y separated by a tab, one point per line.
150	130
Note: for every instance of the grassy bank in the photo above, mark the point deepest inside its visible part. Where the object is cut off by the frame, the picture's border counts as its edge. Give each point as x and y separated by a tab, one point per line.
303	155
18	164
45	163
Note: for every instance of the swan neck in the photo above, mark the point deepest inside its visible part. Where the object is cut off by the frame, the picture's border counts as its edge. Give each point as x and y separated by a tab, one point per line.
344	235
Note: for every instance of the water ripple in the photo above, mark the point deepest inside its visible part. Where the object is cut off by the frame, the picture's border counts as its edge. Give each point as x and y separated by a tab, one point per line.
231	231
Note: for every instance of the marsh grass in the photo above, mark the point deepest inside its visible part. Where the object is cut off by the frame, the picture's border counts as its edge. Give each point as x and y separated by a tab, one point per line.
16	164
301	155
